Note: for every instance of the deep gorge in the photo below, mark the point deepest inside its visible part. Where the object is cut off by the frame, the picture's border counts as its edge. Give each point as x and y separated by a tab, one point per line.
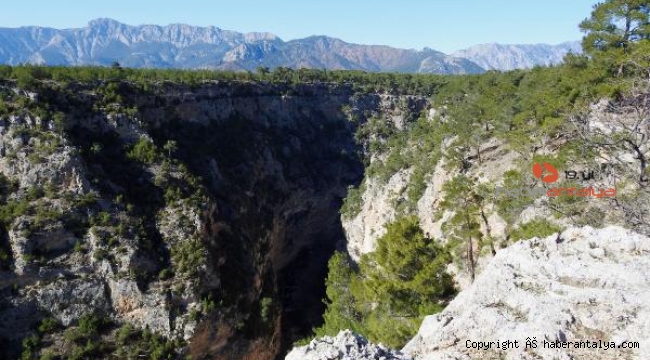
266	168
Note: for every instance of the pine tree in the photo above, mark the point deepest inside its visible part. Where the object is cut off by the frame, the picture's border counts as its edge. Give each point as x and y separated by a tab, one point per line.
465	198
404	280
340	313
616	24
394	288
616	30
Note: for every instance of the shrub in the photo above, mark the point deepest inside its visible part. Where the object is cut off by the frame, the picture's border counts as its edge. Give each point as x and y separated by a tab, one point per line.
353	202
31	344
90	324
535	228
165	274
79	246
123	334
47	355
144	151
48	325
187	257
13	209
266	306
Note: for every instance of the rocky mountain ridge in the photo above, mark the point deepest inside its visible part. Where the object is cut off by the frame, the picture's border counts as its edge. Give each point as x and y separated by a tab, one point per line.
105	41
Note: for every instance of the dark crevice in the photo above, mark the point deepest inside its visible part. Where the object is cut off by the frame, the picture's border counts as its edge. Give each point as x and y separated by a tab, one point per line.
274	220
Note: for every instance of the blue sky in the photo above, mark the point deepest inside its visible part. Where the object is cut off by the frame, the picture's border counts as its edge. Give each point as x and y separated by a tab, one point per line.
444	25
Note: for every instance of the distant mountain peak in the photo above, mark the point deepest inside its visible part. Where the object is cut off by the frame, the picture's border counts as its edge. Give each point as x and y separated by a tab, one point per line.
518	56
261	36
103	22
323	39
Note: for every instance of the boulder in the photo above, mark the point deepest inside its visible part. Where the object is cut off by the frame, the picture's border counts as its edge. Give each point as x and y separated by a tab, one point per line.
345	346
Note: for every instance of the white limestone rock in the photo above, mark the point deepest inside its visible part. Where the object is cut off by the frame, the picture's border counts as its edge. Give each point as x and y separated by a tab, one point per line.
377	210
588	284
345	346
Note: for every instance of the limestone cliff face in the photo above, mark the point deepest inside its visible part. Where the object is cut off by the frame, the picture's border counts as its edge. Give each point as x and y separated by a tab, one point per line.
377	210
488	165
380	200
203	213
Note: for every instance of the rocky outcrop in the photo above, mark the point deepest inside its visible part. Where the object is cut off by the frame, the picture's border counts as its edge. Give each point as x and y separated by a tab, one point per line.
345	346
583	284
377	210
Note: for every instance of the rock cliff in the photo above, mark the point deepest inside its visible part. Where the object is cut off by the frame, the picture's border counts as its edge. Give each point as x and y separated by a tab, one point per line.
489	165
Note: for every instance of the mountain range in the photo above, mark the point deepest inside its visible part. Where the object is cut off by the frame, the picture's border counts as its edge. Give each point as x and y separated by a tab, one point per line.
507	57
104	41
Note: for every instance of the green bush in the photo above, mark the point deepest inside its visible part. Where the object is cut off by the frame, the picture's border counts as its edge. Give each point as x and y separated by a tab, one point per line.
90	324
353	202
47	355
165	274
48	325
144	151
535	228
31	343
13	209
95	337
187	257
123	334
266	307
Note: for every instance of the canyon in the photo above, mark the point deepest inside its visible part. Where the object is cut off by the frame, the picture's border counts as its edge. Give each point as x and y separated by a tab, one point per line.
221	240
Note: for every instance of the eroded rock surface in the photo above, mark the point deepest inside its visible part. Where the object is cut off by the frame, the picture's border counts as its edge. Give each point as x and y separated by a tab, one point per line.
345	346
586	284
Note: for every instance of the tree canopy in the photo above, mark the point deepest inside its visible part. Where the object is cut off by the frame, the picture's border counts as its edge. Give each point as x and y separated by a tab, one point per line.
616	25
385	299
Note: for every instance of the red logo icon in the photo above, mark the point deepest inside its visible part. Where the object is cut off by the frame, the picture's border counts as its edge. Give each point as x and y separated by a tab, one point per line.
551	176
